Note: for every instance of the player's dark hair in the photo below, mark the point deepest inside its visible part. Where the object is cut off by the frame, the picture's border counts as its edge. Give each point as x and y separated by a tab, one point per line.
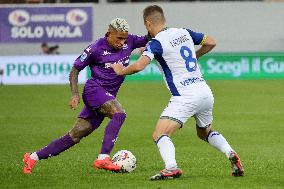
155	13
44	44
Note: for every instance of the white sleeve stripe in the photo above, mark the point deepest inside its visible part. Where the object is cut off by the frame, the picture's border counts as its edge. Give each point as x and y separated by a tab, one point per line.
149	54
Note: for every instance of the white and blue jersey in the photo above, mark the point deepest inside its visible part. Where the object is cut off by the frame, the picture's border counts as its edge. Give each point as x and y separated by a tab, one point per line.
173	49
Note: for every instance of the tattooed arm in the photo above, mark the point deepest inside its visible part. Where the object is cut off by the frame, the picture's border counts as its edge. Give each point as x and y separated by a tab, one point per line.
73	79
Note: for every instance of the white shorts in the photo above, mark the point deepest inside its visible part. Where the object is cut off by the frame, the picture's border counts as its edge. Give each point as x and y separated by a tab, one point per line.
199	104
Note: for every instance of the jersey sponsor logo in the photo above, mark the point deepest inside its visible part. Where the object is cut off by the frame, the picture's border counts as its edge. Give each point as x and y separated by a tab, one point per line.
106	53
190	81
123	61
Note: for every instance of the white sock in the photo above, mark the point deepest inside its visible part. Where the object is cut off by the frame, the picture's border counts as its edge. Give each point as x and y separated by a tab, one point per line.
219	142
102	156
167	151
34	156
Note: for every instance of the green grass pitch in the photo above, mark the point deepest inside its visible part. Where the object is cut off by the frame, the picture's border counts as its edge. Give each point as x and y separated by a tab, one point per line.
250	114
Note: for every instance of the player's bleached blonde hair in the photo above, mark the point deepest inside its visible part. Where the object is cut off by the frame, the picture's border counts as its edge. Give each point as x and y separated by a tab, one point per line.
119	24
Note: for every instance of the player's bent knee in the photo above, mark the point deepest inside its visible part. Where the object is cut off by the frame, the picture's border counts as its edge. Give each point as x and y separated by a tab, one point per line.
201	136
75	137
202	133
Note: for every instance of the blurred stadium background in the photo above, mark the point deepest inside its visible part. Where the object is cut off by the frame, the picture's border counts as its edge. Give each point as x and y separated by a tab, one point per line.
245	71
250	40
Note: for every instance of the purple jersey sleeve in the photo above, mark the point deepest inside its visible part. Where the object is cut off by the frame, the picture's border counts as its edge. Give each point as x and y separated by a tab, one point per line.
196	37
138	41
85	58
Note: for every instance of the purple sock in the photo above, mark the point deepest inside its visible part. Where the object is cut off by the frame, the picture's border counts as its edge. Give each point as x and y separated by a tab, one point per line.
96	121
111	132
55	147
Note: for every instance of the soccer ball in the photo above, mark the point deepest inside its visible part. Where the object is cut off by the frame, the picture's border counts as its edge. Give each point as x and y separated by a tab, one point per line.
125	159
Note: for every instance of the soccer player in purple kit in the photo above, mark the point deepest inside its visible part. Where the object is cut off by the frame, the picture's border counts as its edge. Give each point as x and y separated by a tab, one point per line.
99	96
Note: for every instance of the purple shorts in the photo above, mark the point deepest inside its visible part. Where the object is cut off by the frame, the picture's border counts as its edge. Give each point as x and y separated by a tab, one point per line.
93	99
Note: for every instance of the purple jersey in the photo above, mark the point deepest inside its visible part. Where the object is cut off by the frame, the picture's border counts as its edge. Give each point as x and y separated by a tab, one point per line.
98	54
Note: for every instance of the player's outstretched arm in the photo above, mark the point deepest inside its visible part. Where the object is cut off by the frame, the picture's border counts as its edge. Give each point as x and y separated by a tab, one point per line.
208	44
73	79
140	65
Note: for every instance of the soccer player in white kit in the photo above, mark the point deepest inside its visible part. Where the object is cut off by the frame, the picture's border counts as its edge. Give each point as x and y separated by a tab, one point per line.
173	49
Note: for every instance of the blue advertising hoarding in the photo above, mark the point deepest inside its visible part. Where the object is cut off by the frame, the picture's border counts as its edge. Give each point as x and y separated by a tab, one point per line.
49	24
